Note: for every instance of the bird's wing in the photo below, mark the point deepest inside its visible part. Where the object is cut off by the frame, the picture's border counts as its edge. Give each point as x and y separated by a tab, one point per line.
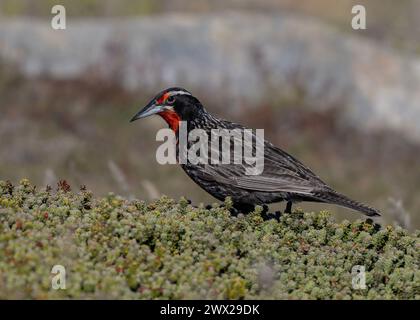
278	183
282	173
234	175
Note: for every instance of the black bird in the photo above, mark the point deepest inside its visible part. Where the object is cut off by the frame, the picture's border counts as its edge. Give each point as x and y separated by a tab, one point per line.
284	178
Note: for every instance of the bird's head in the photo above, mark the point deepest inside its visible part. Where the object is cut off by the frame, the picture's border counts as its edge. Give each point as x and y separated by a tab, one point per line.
173	105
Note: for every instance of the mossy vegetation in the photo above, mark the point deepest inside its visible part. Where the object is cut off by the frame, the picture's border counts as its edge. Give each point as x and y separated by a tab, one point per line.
115	248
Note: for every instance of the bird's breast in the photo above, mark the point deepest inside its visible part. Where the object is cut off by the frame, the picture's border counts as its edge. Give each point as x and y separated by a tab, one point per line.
172	119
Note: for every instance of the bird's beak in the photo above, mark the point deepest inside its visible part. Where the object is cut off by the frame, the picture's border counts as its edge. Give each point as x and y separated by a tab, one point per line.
150	109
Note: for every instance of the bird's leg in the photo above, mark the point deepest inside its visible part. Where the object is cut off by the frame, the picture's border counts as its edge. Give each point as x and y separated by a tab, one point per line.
288	207
265	209
268	216
234	212
243	208
264	213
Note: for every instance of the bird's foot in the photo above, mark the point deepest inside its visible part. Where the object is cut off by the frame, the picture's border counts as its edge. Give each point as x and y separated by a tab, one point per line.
288	207
265	208
271	215
234	212
242	208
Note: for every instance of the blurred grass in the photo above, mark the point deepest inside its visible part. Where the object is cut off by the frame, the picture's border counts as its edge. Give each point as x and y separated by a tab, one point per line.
42	8
395	23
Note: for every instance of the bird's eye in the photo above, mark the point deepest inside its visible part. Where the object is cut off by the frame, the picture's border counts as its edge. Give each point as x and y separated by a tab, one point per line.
170	100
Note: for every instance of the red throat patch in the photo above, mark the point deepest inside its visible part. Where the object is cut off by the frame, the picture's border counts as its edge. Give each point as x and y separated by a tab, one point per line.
172	119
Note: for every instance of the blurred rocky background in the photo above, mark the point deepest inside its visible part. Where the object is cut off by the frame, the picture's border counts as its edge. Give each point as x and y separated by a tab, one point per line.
346	102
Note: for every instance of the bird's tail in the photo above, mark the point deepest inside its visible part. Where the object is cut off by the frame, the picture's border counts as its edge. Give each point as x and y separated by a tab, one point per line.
331	196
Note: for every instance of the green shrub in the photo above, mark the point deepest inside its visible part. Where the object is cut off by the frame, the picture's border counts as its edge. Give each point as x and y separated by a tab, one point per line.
115	248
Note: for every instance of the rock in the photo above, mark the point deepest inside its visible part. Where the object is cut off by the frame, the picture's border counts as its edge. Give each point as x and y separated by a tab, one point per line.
231	56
